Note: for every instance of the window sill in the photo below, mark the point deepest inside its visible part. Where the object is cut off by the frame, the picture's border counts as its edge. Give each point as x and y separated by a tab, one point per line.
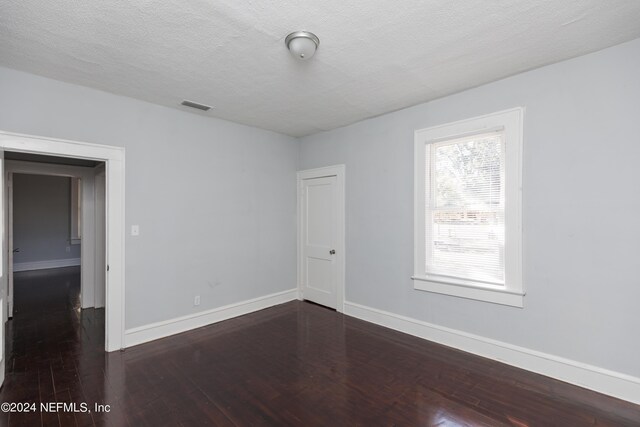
75	241
475	292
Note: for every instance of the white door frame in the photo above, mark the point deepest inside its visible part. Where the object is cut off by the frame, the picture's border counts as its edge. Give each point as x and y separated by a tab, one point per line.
114	161
339	172
87	248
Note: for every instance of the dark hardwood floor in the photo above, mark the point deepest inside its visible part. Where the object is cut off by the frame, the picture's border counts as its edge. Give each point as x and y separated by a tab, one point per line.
295	364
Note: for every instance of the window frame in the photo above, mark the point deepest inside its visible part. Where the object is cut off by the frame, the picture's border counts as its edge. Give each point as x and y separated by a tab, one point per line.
510	124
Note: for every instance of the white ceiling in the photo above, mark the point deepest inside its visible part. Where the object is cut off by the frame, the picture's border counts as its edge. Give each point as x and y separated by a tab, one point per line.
375	56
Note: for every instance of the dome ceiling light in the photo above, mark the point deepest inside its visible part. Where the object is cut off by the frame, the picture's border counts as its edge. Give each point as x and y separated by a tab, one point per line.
302	44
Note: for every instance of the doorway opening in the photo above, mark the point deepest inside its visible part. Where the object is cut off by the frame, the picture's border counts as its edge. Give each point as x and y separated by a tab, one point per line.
113	159
56	219
56	237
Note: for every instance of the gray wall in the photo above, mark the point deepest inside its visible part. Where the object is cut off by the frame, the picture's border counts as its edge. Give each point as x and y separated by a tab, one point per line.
42	218
215	201
581	191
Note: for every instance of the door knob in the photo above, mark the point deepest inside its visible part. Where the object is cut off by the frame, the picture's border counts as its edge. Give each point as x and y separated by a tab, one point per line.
332	252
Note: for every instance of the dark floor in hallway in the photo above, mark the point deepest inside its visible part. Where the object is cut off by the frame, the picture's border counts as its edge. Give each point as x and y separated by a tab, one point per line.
294	364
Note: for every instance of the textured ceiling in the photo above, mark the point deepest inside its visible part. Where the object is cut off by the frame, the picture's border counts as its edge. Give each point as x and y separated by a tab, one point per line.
375	56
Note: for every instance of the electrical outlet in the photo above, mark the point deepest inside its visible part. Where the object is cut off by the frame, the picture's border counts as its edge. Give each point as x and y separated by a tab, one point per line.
68	248
135	230
196	300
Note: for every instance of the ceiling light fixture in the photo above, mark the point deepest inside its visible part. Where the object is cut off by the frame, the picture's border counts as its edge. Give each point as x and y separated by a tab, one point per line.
302	44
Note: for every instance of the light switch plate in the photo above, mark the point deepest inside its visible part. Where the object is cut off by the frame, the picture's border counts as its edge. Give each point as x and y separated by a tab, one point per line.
135	230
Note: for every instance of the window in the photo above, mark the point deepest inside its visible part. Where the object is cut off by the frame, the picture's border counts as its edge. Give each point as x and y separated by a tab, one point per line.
468	232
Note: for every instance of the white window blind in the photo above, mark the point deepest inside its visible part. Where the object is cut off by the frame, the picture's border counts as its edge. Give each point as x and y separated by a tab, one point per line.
465	208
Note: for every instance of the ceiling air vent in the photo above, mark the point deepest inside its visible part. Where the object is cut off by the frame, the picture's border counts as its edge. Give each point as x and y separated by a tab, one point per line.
196	105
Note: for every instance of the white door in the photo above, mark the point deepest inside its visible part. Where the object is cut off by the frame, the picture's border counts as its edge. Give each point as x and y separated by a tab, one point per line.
3	265
319	240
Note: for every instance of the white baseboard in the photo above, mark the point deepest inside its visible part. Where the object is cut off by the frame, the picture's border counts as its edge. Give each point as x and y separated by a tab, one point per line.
594	378
177	325
42	265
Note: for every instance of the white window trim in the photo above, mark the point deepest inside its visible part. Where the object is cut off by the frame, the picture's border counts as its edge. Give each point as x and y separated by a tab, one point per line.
512	293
